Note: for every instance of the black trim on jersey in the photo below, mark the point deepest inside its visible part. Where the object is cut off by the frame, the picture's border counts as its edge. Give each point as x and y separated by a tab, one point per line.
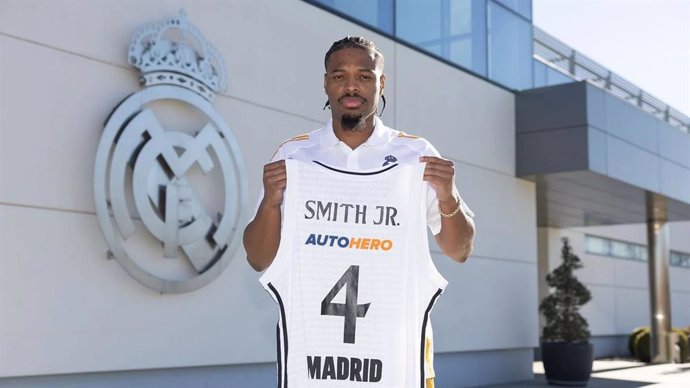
285	339
280	361
355	172
422	348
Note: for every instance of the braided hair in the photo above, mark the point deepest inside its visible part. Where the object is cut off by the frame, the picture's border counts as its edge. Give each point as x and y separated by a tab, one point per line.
356	42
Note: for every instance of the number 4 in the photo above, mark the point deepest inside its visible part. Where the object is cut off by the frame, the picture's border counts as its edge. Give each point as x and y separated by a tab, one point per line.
350	310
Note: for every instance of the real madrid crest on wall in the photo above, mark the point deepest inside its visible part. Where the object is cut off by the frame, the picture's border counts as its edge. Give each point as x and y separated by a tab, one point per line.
169	183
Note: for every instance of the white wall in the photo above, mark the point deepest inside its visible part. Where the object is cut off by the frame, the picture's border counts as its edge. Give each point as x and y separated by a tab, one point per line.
65	308
473	123
620	288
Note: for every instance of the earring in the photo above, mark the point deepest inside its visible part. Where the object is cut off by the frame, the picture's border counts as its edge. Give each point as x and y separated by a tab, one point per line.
327	105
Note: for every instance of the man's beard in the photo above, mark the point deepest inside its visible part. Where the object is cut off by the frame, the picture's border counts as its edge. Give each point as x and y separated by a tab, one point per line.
353	123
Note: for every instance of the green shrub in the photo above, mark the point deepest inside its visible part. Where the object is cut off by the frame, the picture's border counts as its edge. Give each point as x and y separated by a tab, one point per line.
561	307
631	339
640	339
642	345
684	345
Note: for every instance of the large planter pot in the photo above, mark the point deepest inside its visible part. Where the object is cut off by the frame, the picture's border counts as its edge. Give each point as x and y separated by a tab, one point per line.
567	363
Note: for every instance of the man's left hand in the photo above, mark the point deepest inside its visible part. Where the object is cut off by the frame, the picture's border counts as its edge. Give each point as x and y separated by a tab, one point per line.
440	173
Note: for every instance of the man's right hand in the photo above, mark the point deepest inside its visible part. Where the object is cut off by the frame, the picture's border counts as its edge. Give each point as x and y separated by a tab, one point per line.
275	182
262	235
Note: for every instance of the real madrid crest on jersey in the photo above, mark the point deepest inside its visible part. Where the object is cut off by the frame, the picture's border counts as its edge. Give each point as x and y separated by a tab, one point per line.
169	181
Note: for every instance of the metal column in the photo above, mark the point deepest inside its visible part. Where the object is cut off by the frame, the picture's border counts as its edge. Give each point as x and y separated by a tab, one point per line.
659	292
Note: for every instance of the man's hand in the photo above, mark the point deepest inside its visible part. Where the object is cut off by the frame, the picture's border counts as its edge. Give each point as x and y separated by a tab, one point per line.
262	235
275	182
440	173
457	232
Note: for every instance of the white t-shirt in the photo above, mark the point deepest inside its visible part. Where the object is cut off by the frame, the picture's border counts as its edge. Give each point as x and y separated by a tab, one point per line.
384	147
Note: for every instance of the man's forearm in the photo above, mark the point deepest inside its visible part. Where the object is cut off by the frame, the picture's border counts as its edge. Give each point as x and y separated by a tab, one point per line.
262	237
457	234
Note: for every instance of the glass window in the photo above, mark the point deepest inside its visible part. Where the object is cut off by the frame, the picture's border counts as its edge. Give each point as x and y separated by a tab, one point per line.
376	13
675	259
523	7
555	77
434	48
539	70
452	29
607	247
679	259
460	21
639	252
460	51
510	48
546	76
628	250
597	246
620	249
419	22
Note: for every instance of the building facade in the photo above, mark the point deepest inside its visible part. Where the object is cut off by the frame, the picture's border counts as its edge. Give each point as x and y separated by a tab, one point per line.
459	73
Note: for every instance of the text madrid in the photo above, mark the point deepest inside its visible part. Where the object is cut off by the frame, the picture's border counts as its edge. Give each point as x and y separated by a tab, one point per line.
344	368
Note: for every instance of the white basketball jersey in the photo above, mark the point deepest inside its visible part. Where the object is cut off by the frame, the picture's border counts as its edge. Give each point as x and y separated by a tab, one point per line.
353	278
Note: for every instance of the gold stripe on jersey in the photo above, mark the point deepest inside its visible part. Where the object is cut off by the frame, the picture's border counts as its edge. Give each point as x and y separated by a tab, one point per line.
296	138
406	136
429	362
428	356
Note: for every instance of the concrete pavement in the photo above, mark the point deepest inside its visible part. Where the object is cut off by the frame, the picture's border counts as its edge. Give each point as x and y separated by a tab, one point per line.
620	374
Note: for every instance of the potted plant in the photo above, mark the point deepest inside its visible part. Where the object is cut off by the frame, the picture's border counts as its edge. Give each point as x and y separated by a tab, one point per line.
566	351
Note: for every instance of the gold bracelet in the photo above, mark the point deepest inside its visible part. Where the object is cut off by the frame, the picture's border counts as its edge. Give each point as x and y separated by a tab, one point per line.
448	215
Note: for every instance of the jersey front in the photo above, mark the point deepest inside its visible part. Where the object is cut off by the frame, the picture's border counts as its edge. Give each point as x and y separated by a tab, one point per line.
353	278
384	147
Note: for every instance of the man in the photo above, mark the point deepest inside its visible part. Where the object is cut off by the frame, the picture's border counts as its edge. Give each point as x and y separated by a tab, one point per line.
355	139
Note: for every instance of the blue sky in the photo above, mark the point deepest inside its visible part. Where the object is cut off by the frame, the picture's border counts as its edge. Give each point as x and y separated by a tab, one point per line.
645	41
